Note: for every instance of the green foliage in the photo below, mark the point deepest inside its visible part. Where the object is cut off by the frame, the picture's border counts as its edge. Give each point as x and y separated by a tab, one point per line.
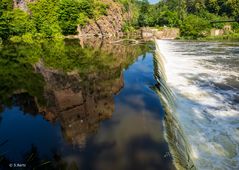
6	5
5	20
14	23
128	28
45	17
48	18
52	18
229	37
235	27
143	13
132	9
78	12
194	26
18	75
21	23
191	16
223	7
68	15
18	72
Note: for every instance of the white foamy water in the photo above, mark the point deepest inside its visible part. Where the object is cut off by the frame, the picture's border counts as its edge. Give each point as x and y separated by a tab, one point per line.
205	80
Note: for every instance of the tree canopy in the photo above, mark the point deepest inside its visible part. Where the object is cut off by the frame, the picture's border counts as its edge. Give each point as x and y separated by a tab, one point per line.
191	16
47	18
51	18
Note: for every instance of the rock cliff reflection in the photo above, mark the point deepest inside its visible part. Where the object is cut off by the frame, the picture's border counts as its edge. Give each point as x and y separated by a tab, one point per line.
74	106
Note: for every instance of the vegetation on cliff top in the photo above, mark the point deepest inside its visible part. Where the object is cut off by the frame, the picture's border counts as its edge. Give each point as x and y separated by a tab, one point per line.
52	18
47	18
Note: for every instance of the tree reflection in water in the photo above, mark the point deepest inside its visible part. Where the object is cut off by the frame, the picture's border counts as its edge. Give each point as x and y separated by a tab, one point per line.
64	83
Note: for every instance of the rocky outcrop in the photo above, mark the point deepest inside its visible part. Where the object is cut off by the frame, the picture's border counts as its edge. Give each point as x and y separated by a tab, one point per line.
109	25
22	4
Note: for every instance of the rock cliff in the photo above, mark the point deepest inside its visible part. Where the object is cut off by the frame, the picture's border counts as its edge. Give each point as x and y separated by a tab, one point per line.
22	4
109	25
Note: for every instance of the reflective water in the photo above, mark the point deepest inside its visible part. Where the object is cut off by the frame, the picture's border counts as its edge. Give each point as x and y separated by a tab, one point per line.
203	79
73	105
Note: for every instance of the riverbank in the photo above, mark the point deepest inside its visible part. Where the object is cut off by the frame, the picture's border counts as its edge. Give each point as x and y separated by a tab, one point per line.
229	37
135	36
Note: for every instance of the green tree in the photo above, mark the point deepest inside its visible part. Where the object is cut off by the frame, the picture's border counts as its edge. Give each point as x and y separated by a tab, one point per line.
21	23
5	17
68	16
5	20
144	11
6	5
78	12
232	8
181	9
194	26
45	17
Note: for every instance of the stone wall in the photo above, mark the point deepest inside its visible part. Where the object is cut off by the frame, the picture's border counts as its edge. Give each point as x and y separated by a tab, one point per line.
164	33
219	32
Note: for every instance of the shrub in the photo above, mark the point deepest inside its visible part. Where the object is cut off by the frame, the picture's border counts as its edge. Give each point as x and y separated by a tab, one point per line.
194	26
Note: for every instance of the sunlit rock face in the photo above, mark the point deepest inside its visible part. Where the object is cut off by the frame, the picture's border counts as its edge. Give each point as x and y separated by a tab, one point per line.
22	4
110	25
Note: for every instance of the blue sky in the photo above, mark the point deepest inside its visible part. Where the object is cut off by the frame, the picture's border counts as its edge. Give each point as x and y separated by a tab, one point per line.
153	1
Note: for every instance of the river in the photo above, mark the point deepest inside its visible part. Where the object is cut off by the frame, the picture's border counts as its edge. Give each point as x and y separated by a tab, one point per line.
80	105
70	104
203	78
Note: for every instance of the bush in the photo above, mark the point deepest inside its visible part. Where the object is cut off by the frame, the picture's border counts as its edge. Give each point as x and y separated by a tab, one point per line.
21	23
127	28
16	39
27	38
194	26
72	13
5	29
45	17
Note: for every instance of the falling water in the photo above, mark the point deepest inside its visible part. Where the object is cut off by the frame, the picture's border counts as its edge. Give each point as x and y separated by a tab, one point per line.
174	134
200	88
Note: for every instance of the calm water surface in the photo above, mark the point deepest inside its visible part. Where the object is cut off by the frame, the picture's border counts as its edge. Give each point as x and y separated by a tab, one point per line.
92	105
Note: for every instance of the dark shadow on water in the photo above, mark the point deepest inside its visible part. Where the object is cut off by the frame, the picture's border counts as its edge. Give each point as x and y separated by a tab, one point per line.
145	153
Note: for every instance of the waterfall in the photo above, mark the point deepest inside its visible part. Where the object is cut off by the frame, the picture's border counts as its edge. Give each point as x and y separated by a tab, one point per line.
174	135
198	84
